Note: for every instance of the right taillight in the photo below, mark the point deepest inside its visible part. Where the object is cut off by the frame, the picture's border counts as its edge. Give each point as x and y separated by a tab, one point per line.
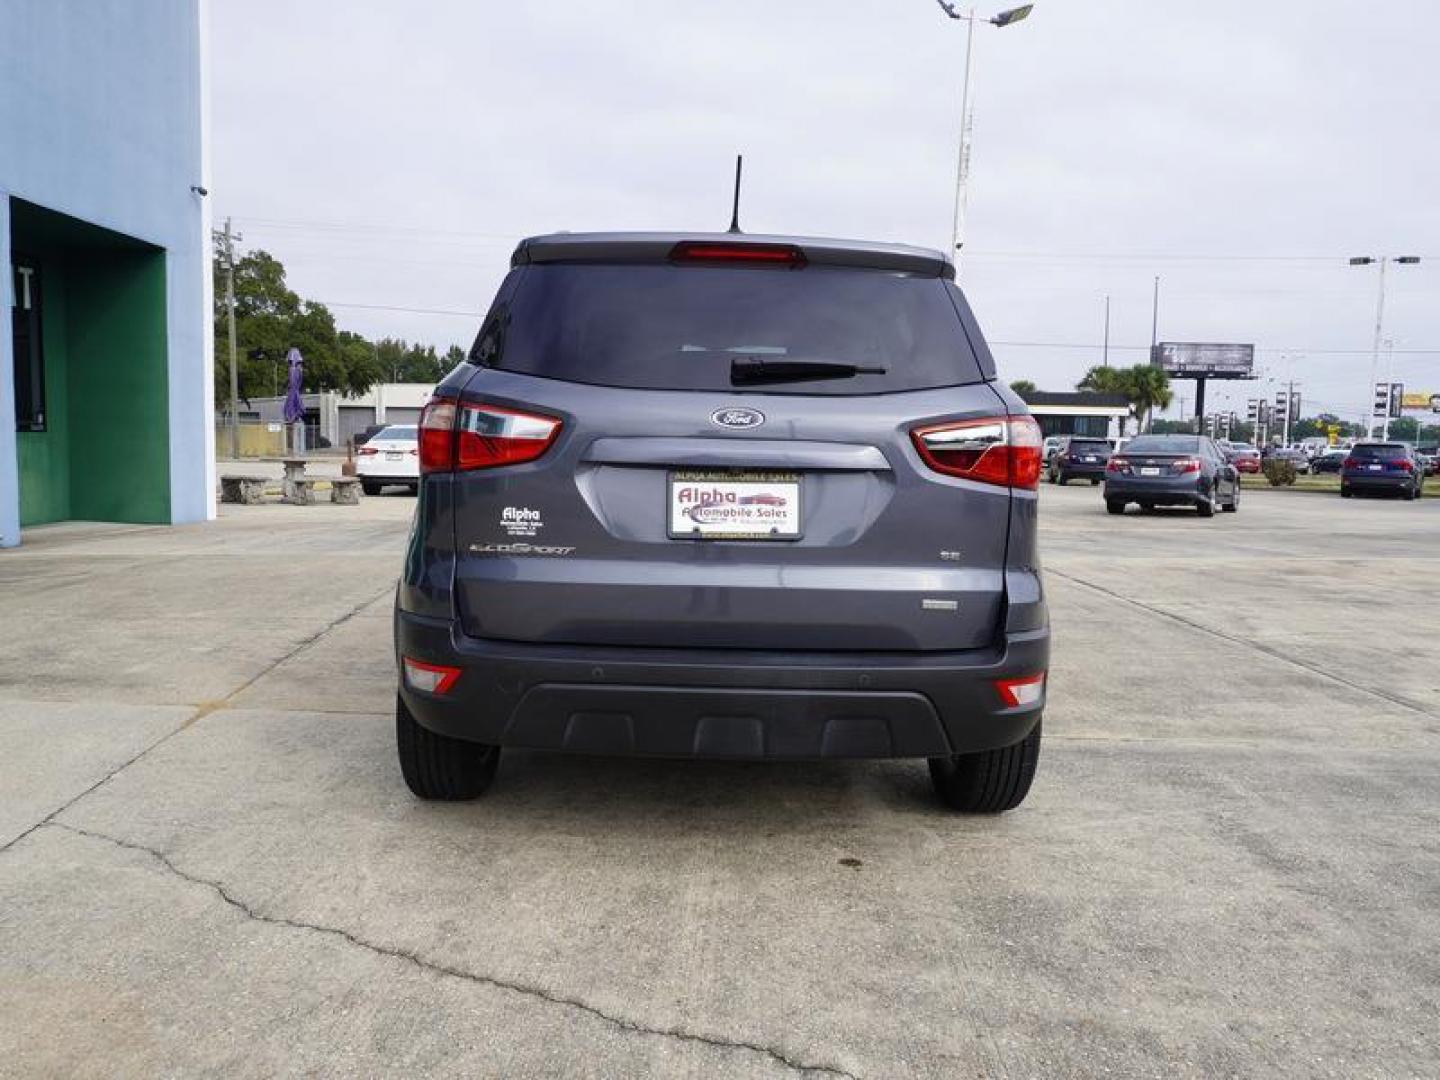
470	435
1002	450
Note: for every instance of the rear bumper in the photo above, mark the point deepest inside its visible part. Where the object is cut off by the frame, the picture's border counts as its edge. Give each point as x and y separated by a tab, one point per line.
1186	489
721	703
1087	470
1371	482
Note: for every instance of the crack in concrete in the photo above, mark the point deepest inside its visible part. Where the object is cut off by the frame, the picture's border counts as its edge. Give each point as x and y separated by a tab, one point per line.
1259	646
526	990
202	710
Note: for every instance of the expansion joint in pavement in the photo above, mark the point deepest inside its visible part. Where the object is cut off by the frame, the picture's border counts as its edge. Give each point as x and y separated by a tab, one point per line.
1250	643
202	710
526	990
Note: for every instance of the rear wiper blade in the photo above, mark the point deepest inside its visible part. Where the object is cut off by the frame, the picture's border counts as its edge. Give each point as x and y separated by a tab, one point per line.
753	369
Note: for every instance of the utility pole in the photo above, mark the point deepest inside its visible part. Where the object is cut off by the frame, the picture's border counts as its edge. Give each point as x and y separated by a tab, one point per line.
1105	349
1155	319
228	241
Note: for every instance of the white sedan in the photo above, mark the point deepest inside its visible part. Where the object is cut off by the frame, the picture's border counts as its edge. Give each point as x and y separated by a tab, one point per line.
391	456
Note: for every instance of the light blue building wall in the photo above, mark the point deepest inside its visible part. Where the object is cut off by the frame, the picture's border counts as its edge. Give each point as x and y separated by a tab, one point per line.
105	238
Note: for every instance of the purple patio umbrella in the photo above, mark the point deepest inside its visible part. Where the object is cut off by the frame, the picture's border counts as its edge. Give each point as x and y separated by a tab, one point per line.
294	407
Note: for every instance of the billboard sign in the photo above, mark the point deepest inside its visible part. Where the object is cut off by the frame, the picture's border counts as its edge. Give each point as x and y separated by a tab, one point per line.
1191	360
1422	401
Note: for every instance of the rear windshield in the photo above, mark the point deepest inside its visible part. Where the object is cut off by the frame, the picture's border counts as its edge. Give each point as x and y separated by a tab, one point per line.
1089	446
397	432
1163	444
681	327
1379	450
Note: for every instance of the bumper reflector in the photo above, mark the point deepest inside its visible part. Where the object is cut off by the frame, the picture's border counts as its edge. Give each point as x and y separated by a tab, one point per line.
1016	693
431	678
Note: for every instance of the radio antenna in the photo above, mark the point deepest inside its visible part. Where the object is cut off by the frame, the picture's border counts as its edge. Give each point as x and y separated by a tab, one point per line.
735	209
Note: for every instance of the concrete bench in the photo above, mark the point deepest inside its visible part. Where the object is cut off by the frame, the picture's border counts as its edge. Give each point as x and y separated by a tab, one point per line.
300	492
345	490
249	490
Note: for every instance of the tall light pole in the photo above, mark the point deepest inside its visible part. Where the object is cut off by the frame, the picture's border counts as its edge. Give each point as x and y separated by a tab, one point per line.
962	161
1368	260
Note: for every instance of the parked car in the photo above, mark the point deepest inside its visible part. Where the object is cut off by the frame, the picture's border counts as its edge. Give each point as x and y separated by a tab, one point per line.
1245	458
391	456
1294	456
1079	458
583	576
1382	466
360	438
1431	455
1048	448
1329	462
1172	470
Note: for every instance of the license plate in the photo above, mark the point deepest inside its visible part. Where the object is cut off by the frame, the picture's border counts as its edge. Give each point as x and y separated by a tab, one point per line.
718	504
394	456
1374	468
1087	459
1149	472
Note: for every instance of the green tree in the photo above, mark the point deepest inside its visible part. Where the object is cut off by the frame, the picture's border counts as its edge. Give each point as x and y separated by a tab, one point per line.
1023	387
1144	387
270	319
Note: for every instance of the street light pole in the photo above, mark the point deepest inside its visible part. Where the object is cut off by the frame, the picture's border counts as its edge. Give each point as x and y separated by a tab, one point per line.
1367	260
962	159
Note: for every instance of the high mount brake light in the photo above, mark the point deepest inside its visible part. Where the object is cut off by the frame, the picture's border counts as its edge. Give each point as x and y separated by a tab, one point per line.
1003	450
456	436
703	251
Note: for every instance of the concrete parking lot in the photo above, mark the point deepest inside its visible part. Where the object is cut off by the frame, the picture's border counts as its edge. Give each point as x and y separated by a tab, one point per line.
1229	864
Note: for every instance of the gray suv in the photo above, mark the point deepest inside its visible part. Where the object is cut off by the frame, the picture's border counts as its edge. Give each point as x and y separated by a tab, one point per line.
725	496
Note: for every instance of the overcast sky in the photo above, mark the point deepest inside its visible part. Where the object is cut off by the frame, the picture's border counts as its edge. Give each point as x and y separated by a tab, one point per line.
391	154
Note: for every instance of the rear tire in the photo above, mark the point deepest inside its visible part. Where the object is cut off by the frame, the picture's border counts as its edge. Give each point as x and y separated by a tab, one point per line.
1061	479
1114	506
369	488
1234	504
1205	507
1095	482
989	782
439	767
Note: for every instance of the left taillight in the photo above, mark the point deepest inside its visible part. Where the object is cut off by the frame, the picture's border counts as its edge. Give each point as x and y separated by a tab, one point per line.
458	436
1003	450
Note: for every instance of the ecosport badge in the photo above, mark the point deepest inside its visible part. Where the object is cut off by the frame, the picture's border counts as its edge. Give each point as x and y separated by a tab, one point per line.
737	418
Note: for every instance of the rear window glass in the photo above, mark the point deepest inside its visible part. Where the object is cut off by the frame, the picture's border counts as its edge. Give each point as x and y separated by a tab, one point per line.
681	327
1089	446
398	432
1378	450
1163	444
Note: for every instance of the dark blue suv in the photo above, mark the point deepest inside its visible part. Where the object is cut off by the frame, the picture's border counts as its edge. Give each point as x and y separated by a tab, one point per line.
1386	467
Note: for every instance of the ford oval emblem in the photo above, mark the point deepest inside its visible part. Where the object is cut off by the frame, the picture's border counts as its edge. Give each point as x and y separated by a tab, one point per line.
737	418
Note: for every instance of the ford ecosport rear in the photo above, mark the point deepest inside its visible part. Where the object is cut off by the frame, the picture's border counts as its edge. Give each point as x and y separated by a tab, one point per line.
725	496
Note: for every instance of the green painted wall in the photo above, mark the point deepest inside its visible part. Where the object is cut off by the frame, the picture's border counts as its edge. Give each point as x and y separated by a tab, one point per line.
104	455
45	455
118	387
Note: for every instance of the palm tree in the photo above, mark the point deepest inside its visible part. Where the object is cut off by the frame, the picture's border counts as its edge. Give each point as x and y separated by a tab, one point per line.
1149	389
1144	388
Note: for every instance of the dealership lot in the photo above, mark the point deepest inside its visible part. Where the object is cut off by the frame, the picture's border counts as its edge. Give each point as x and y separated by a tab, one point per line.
1228	863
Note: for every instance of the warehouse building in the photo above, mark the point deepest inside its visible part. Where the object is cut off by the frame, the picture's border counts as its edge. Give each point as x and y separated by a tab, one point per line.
106	367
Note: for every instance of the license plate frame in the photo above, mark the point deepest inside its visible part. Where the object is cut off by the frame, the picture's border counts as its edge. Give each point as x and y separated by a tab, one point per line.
752	519
394	455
